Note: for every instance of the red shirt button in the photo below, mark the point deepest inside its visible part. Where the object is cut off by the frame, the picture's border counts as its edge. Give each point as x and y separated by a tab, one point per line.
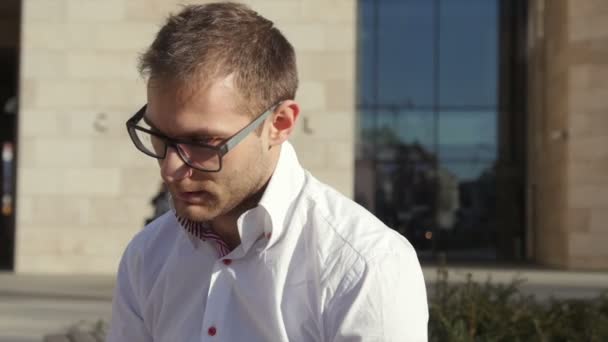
212	331
227	262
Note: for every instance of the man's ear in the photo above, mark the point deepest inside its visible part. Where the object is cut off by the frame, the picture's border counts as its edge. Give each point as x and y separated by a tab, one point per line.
283	122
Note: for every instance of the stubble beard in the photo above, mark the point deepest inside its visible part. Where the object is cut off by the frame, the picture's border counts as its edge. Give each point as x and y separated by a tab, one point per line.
200	212
230	201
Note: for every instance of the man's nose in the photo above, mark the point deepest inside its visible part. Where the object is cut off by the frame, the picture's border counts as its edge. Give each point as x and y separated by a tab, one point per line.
172	167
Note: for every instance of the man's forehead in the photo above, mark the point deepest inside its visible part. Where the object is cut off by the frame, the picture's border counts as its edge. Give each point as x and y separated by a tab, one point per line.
184	91
180	110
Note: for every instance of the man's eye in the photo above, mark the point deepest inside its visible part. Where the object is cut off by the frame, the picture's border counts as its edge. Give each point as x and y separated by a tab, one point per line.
208	141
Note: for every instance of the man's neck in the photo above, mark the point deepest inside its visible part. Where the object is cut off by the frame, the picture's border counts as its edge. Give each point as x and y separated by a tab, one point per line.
226	225
226	228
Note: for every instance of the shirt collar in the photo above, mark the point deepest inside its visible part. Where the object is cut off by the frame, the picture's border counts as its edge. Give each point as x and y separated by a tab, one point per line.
267	219
200	231
282	189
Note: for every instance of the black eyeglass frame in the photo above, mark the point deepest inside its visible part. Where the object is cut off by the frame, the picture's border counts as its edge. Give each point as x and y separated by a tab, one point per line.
222	149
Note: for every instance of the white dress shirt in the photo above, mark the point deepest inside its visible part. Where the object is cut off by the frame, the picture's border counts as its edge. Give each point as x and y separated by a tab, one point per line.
312	266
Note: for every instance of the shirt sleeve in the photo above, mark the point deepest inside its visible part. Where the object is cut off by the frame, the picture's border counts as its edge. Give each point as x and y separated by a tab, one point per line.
384	300
127	324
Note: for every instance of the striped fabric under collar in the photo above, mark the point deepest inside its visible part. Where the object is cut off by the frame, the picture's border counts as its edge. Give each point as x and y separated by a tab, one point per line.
201	230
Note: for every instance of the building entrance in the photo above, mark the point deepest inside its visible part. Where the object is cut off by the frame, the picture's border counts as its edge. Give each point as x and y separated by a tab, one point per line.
441	140
10	20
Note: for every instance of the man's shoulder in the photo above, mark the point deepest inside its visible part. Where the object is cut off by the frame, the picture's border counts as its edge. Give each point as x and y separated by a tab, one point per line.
158	236
345	227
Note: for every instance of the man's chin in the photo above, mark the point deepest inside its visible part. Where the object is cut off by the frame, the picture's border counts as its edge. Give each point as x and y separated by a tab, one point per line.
196	212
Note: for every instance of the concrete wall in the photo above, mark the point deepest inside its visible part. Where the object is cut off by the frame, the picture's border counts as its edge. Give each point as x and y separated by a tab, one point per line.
568	127
83	189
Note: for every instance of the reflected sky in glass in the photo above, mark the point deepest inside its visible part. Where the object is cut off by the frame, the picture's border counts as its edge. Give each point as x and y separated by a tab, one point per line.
366	80
405	52
409	127
428	76
398	52
400	59
468	47
466	171
467	135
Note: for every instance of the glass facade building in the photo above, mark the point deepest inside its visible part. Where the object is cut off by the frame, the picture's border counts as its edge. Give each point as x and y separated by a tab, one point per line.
440	149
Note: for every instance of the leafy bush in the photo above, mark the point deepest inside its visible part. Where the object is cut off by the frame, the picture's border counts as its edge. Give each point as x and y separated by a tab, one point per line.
473	311
82	331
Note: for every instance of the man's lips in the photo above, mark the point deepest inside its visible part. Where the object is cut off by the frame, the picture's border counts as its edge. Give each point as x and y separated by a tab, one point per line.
191	196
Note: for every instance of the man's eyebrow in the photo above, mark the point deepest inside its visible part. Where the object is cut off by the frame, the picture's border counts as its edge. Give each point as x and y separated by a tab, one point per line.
202	132
149	123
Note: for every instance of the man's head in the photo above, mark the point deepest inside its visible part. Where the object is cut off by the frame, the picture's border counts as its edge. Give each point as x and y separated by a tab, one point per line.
213	69
205	43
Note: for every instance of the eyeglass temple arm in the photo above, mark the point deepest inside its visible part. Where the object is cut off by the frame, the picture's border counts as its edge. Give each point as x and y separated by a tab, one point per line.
247	129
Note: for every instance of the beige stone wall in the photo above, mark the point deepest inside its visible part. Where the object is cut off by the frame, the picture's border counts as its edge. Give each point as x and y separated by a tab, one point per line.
588	134
83	190
568	126
547	152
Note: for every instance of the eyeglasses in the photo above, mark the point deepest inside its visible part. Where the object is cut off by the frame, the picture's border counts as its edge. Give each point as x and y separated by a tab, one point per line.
197	155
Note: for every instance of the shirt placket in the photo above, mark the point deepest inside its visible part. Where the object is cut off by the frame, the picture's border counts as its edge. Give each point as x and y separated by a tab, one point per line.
222	278
218	298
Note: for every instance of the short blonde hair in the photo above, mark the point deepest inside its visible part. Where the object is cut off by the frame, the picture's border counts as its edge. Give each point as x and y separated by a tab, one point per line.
206	42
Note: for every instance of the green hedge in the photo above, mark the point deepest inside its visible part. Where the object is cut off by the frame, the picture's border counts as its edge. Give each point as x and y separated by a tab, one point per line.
471	311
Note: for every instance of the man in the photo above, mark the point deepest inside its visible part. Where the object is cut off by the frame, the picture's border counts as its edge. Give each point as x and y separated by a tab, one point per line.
254	248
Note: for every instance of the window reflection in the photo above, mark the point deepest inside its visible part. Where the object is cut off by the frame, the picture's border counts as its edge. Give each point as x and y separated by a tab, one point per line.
468	53
468	135
398	52
428	121
405	52
405	197
366	61
466	209
398	130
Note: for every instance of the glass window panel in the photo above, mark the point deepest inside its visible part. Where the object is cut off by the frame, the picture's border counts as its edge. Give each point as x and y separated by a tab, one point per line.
467	135
468	53
416	128
405	52
385	135
405	199
365	183
467	171
365	135
466	208
366	82
405	135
